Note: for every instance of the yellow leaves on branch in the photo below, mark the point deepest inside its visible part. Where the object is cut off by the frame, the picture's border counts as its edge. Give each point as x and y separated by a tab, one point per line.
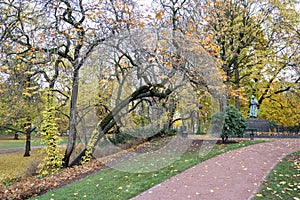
151	59
4	69
238	93
33	88
169	64
91	15
27	127
218	3
27	93
160	14
141	24
29	72
30	91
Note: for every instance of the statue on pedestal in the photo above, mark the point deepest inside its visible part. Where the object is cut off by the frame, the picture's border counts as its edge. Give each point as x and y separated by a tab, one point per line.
253	107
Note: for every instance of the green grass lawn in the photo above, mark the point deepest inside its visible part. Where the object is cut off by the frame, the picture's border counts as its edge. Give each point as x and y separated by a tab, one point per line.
114	184
284	180
10	143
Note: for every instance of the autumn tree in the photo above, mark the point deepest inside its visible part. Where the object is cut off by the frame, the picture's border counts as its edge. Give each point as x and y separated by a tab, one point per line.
272	69
20	100
234	28
285	63
282	108
64	31
185	19
254	41
155	64
65	34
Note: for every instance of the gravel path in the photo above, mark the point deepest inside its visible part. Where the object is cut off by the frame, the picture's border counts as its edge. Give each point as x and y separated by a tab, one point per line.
12	150
235	175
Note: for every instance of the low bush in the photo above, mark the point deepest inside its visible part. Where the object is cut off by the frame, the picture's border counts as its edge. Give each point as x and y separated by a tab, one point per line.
233	123
120	138
141	133
200	130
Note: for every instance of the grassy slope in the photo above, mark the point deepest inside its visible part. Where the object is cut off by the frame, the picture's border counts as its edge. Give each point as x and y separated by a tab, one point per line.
114	184
283	182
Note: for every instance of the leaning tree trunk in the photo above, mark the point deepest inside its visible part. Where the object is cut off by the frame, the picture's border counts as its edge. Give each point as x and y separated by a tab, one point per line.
72	123
108	122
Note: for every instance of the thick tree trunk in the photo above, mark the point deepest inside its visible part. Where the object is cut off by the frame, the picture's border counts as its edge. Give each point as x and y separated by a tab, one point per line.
72	123
171	112
237	87
237	77
227	82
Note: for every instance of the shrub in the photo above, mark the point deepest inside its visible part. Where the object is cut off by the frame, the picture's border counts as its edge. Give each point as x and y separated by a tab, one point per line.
120	138
217	123
200	130
234	122
32	168
165	132
144	133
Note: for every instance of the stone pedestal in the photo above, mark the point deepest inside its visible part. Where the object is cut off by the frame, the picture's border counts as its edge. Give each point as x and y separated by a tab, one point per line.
262	125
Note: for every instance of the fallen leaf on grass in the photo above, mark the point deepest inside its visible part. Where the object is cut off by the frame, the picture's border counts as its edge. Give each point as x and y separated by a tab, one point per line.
282	182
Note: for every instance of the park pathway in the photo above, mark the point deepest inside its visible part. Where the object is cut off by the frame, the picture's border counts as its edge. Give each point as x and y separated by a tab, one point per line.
235	175
12	150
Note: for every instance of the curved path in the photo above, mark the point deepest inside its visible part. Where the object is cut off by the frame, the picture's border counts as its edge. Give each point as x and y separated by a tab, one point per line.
235	175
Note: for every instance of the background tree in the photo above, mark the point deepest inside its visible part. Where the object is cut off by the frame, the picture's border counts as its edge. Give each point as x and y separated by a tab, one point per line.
272	68
20	100
255	49
235	26
153	57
